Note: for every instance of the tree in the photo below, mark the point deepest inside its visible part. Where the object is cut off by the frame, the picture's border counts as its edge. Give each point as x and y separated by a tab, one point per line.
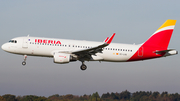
164	94
175	97
9	97
105	96
125	95
114	96
2	99
85	97
155	94
54	97
95	96
68	96
30	98
41	99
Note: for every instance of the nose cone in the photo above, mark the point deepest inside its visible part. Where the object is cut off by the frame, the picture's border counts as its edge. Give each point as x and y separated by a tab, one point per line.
4	47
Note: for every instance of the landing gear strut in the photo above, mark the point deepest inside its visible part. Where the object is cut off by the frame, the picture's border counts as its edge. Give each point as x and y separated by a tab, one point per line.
24	62
83	66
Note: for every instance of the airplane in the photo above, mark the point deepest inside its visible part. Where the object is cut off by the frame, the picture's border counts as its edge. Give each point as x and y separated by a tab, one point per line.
64	50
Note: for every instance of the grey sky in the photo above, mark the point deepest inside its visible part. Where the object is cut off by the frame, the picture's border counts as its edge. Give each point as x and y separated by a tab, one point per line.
134	22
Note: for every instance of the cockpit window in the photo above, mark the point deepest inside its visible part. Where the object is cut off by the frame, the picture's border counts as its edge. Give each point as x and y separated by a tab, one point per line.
13	41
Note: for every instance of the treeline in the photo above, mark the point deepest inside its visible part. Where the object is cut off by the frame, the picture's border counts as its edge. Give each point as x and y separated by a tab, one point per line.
123	96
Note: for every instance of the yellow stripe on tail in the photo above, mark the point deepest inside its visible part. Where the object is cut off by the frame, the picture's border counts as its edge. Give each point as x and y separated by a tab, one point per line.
168	22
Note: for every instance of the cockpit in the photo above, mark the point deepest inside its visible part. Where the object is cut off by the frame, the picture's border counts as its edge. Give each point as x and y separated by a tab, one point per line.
12	41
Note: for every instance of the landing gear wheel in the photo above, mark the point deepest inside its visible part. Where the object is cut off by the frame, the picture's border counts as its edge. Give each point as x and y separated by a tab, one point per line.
23	63
83	67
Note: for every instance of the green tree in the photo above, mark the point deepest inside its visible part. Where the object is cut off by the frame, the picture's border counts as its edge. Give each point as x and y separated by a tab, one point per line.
175	97
105	96
164	94
95	96
30	98
41	99
145	98
114	96
125	95
9	97
54	97
155	94
68	96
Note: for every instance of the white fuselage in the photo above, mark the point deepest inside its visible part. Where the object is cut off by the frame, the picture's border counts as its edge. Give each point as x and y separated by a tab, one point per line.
46	47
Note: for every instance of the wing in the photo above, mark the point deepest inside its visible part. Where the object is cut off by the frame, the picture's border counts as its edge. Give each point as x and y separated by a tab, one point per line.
86	53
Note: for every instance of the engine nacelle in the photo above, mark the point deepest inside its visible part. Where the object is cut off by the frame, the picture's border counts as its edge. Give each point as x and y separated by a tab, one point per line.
63	58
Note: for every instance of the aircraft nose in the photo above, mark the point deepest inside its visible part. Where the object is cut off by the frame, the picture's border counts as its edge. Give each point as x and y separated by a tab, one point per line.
4	47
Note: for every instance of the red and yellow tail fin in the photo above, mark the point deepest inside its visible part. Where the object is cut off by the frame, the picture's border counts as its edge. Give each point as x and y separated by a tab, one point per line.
162	36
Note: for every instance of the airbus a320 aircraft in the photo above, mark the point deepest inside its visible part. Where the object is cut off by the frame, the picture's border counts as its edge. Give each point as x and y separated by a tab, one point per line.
65	51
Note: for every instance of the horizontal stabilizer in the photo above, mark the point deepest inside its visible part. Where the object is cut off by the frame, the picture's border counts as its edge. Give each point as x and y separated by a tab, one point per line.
167	52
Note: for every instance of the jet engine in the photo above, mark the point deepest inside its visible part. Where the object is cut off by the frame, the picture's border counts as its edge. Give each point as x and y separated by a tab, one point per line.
63	58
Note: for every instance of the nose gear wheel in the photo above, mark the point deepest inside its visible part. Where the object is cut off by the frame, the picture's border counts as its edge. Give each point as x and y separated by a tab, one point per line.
24	62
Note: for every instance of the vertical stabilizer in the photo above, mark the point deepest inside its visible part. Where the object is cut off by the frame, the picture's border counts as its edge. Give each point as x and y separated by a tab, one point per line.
162	36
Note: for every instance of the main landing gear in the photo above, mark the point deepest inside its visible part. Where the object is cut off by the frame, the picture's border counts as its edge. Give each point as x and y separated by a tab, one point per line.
24	62
83	66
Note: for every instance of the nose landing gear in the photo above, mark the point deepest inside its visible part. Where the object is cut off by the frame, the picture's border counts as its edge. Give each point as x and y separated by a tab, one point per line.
24	62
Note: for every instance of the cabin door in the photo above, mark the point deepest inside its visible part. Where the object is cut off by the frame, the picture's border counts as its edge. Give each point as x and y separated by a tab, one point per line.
25	43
